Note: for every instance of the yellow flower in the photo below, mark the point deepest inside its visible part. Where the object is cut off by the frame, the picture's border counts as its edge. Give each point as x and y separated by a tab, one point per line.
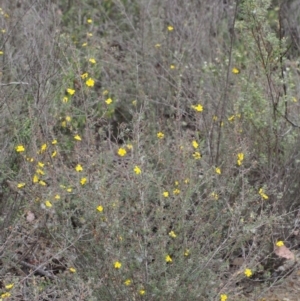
142	292
54	142
187	252
215	195
78	168
129	146
20	148
65	99
235	70
89	34
218	170
195	144
5	295
21	185
1	52
172	66
69	189
187	180
89	21
41	164
92	60
77	137
176	183
70	91
157	45
197	155
29	159
90	82
68	118
160	135
117	264
84	44
100	208
48	204
108	101
72	270
197	108
223	297
231	118
105	92
215	118
170	28
35	179
168	258
40	172
122	152
240	158
42	183
166	194
57	197
280	243
9	286
172	234
176	191
127	282
54	154
248	273
262	194
134	102
84	75
83	181
64	124
137	170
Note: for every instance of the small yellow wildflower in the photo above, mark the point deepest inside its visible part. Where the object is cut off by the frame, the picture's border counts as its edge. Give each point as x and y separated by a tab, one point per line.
21	185
215	195
20	148
215	118
105	92
84	44
231	118
84	75
53	154
54	142
137	170
176	183
157	45
172	234
168	258
78	168
64	124
83	181
129	146
187	180
68	118
240	158
42	183
90	82
57	197
69	189
172	66
92	60
262	194
176	191
1	52
279	243
122	152
5	295
41	164
127	282
77	137
89	21
3	30
70	91
89	34
248	273
223	297
48	204
35	179
72	270
187	252
170	28
160	135
197	108
294	99
108	101
195	144
9	286
165	194
235	70
218	170
142	292
134	102
100	208
29	159
40	172
43	148
65	99
197	155
117	264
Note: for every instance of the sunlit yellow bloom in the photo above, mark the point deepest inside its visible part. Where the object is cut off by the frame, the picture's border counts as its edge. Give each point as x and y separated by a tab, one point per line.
100	208
48	204
54	142
9	286
42	183
137	170
170	28
168	258
117	264
41	164
20	148
5	295
108	101
40	172
69	189
84	75
262	194
195	144
54	154
176	191
84	44
187	252
160	135
77	137
279	243
166	194
240	158
68	118
223	297
157	45
92	60
35	179
83	181
78	168
21	185
65	99
197	108
215	195
187	180
134	102
89	34
197	155
72	270
235	70
57	197
172	234
248	273
90	82
142	292
70	91
129	146
218	170
172	66
122	152
89	21
231	118
105	92
127	282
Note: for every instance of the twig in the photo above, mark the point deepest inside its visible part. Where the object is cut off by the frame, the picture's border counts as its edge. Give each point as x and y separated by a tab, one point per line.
14	83
38	269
